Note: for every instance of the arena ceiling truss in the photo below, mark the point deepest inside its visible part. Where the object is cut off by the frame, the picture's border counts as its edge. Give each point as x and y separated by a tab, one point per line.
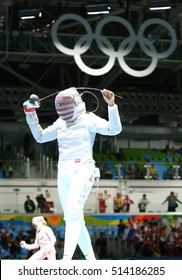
31	63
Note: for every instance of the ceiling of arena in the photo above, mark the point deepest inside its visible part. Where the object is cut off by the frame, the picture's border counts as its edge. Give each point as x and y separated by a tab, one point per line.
30	62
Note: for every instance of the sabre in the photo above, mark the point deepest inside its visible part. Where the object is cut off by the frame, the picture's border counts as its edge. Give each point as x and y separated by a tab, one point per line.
34	100
45	97
84	88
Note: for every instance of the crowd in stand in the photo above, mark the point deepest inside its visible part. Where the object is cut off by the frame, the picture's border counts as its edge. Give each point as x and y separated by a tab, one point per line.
112	165
135	171
154	237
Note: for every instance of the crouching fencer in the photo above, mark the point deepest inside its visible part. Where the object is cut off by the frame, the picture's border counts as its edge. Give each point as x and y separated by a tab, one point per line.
75	131
44	241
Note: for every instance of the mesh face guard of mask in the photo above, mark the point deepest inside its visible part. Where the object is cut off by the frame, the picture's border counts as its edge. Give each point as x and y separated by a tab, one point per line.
68	103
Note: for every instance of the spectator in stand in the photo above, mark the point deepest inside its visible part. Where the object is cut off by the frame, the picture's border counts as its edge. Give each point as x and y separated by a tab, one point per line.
172	202
120	156
11	225
1	170
4	169
117	203
29	205
179	232
126	204
41	203
142	204
101	246
102	203
139	172
167	149
153	172
106	173
178	221
10	171
169	174
121	228
59	246
130	172
180	169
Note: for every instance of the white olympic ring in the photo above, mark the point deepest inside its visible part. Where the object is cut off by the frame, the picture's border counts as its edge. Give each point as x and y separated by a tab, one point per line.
125	47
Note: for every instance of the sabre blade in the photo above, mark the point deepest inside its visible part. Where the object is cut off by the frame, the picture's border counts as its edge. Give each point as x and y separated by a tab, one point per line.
82	88
54	93
45	97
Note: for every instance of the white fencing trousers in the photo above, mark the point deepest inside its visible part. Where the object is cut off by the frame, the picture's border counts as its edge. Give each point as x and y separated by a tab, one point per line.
75	180
41	255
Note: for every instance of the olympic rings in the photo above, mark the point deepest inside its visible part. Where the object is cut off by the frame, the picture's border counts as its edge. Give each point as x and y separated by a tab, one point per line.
125	47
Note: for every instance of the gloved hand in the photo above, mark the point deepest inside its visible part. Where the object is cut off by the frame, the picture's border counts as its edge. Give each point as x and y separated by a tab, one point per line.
23	244
30	105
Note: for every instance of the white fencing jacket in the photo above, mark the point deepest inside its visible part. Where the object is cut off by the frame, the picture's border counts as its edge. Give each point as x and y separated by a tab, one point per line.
76	141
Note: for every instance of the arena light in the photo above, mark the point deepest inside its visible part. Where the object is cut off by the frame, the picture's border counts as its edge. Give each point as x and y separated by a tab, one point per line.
159	4
30	13
97	7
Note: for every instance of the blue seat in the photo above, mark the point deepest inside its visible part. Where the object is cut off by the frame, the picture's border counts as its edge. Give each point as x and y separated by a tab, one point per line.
169	158
161	169
147	156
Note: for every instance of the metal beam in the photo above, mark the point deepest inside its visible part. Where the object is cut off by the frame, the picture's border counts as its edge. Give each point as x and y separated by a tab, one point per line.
10	70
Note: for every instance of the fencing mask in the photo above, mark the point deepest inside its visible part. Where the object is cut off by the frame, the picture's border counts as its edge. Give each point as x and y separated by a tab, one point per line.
69	104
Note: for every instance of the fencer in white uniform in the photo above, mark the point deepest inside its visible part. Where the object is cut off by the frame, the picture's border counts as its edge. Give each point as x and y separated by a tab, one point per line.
75	131
44	241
